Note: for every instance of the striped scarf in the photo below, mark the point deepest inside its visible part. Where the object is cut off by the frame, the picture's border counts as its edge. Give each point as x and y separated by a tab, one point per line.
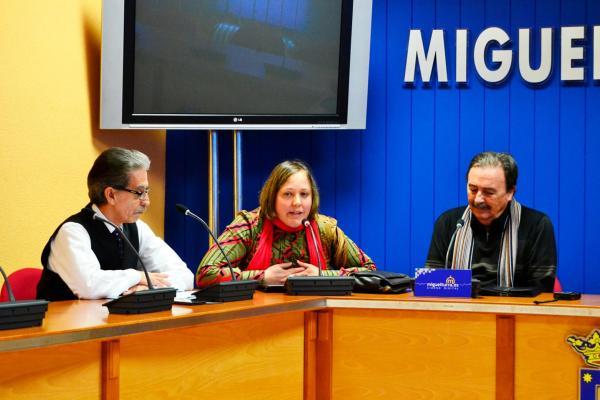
462	255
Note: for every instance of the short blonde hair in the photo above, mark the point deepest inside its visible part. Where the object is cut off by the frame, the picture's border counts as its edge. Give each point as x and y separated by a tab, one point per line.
280	174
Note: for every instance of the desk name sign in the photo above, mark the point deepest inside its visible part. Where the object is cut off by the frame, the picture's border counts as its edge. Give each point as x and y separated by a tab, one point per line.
433	282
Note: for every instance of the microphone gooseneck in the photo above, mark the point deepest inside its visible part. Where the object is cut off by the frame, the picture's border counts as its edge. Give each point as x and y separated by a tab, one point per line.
307	224
186	211
11	296
99	218
321	285
459	224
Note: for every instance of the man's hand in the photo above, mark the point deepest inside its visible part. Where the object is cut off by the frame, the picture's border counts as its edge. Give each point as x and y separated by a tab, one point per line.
159	279
135	288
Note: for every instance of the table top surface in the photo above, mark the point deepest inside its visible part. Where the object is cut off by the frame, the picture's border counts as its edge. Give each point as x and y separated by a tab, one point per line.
78	320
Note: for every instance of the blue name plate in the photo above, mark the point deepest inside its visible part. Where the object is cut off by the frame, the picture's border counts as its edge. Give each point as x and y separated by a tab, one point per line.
433	282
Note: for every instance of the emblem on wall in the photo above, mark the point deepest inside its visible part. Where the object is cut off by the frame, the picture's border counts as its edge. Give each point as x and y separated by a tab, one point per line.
589	378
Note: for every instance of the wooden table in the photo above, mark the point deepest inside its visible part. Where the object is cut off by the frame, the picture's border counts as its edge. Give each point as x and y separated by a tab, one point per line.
293	347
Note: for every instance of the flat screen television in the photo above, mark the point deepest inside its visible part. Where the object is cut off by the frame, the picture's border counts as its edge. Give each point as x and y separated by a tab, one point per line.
235	64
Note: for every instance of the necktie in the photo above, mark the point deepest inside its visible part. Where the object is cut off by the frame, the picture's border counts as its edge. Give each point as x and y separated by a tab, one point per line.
119	240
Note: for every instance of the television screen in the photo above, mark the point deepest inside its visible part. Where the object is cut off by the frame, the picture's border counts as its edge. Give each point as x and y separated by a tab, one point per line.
235	63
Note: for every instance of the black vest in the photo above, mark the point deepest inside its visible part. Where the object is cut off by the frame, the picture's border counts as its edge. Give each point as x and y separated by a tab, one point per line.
104	245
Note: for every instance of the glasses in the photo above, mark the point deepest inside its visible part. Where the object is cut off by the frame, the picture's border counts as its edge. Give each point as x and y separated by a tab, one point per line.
139	194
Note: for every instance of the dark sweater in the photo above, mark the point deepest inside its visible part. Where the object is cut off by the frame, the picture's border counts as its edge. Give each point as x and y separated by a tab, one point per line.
536	249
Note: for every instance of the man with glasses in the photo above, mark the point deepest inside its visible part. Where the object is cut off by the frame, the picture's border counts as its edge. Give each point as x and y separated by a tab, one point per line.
503	242
86	258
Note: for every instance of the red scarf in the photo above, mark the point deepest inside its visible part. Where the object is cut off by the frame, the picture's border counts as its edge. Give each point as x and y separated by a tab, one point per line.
264	251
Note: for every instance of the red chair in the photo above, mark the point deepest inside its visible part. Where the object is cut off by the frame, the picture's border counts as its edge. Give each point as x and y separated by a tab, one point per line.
557	285
23	283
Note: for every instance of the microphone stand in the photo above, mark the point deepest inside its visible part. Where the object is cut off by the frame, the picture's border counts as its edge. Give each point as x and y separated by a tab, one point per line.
475	283
459	224
141	301
20	313
318	285
233	290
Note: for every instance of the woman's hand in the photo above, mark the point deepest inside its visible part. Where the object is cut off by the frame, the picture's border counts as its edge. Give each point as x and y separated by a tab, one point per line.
309	269
276	274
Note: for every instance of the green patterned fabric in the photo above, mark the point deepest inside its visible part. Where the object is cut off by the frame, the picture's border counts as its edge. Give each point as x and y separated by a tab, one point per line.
240	240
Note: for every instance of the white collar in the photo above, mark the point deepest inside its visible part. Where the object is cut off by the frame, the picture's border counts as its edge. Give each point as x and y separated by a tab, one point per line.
109	226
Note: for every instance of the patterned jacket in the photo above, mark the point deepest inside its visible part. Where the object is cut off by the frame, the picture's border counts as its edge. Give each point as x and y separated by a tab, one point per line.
240	241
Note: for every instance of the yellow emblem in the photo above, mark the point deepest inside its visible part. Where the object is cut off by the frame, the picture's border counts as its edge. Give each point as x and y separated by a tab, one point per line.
588	348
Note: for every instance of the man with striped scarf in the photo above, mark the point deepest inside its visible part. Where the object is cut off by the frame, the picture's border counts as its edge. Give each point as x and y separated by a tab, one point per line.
503	242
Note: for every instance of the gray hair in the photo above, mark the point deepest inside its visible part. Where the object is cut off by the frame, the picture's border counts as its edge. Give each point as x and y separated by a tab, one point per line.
112	169
492	159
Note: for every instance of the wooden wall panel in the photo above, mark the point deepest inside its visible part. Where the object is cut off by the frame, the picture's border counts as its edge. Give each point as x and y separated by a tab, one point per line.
412	355
71	371
258	358
543	352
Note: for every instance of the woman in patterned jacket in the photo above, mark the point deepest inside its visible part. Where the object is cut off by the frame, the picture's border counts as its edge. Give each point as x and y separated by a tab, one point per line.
274	241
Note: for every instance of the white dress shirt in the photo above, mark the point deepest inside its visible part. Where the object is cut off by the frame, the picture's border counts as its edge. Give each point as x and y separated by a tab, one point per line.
72	258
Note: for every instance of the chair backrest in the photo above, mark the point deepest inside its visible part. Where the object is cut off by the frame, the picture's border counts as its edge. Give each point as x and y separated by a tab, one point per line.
23	283
557	285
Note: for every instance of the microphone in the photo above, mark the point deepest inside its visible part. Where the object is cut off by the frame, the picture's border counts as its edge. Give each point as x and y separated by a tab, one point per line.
233	290
318	285
307	224
141	301
16	314
459	224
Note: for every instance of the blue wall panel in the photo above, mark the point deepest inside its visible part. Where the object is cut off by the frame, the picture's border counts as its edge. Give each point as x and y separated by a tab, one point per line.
398	146
471	97
546	127
522	107
187	180
571	169
422	149
387	184
497	99
372	175
591	273
447	111
347	183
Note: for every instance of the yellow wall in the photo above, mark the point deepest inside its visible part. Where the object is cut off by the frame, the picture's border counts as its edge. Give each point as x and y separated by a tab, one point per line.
49	112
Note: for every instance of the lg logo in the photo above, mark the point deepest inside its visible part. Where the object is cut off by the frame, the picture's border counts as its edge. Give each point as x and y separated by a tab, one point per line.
237	119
